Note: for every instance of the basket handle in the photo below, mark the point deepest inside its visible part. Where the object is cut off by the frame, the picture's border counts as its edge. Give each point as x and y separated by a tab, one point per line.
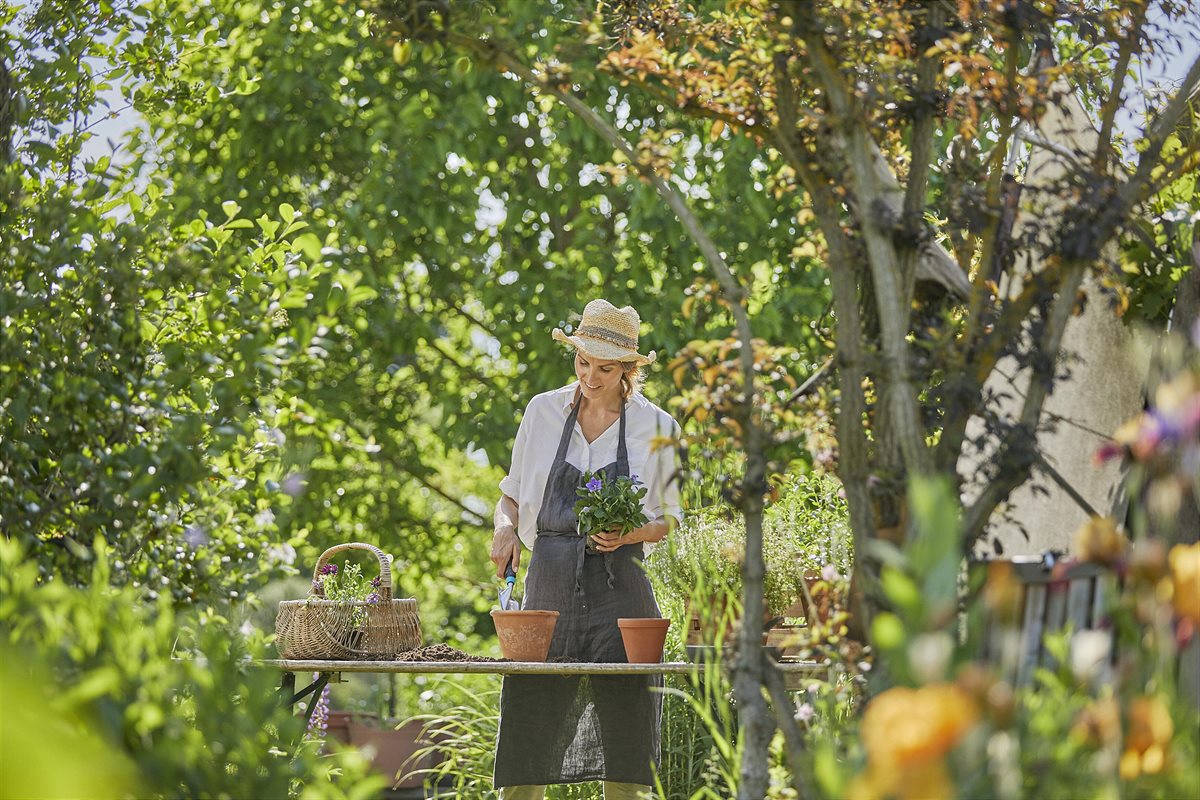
385	568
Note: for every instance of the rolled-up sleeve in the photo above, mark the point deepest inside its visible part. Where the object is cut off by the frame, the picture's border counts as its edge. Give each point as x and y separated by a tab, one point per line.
666	476
511	484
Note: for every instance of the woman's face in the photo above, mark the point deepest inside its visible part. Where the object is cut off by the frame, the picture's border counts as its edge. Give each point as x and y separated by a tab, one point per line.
598	378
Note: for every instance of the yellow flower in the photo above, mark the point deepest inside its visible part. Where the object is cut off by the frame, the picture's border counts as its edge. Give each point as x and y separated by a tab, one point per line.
1002	592
1185	576
1148	738
907	734
1099	540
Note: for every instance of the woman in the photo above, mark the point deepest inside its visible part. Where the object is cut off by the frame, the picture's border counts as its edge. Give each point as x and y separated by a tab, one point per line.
567	729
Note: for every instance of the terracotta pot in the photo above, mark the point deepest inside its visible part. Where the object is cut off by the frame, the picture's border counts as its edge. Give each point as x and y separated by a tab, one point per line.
392	751
643	638
525	635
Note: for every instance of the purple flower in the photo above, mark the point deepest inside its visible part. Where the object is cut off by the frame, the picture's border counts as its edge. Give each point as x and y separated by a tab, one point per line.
377	581
328	569
195	536
293	485
373	598
1108	451
594	484
633	478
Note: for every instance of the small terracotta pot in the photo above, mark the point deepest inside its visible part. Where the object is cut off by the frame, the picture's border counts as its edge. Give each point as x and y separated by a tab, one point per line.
525	635
643	638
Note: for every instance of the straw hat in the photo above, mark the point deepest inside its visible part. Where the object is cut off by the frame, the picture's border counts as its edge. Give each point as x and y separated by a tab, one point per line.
607	332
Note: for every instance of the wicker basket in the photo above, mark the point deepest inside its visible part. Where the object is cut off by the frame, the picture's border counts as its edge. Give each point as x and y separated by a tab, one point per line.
316	628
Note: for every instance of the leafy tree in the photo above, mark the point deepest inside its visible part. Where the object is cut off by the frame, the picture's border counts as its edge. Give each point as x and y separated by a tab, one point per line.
899	123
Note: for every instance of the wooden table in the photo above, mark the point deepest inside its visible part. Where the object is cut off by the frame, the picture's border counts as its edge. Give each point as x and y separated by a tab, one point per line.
326	670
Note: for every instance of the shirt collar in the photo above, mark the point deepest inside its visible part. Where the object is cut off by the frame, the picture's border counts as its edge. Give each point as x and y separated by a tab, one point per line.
566	396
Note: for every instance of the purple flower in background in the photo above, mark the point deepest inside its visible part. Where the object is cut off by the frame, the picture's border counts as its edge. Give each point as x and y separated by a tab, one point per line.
830	573
594	484
328	569
633	478
293	484
377	581
195	536
373	598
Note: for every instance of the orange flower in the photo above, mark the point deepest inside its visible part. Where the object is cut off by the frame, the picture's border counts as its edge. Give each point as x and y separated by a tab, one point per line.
1185	576
1148	738
1099	723
1100	540
907	734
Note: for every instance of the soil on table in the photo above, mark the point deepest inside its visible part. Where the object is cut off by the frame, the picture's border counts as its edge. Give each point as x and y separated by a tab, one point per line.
439	652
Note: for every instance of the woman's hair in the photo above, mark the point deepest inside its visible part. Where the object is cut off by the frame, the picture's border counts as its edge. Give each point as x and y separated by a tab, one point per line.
631	378
632	375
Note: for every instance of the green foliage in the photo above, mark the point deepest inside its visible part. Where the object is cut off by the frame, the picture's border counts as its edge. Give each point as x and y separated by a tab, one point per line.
610	505
1157	251
463	740
168	695
804	531
348	584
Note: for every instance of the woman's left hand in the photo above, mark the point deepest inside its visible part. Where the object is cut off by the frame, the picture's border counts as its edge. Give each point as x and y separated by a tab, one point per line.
608	541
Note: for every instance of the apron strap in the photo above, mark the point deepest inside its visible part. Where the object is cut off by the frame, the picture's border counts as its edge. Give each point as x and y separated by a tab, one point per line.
622	450
564	441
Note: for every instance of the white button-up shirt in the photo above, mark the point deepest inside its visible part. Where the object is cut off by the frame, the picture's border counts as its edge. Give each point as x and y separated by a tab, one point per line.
652	457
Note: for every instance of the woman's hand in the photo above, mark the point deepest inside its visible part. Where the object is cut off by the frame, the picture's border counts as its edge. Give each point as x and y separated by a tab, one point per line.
610	540
506	546
506	549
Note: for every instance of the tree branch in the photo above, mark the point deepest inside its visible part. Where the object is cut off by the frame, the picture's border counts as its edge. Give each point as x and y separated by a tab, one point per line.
881	253
853	465
921	143
1157	133
1063	484
1108	113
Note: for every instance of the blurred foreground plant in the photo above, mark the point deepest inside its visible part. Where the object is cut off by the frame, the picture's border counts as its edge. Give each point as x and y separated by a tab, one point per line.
159	705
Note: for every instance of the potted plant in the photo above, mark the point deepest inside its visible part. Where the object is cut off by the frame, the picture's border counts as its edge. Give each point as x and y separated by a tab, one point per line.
806	547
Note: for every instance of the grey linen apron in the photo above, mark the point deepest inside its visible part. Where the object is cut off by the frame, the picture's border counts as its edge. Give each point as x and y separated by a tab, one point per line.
573	728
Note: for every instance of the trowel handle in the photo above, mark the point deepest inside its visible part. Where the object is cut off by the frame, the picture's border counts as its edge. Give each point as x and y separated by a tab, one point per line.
510	575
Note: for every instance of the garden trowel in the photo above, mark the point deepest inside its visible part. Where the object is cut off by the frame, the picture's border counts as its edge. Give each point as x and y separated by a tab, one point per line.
510	581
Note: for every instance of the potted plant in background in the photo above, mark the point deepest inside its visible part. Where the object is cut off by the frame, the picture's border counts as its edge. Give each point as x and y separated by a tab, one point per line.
806	543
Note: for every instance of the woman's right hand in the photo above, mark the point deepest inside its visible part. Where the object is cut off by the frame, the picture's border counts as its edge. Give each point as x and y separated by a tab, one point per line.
506	549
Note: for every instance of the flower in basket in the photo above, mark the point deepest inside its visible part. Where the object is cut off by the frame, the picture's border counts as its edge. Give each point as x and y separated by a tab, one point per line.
348	585
614	504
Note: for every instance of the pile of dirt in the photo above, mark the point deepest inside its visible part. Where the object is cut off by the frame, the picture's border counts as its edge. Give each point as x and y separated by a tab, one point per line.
440	652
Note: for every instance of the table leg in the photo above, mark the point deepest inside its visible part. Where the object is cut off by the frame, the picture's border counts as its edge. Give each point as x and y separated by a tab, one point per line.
289	695
319	684
287	689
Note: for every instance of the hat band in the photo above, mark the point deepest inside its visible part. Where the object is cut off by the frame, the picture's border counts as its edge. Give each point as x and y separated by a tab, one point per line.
605	335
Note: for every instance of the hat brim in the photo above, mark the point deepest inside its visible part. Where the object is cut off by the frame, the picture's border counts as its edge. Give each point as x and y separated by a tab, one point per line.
598	348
